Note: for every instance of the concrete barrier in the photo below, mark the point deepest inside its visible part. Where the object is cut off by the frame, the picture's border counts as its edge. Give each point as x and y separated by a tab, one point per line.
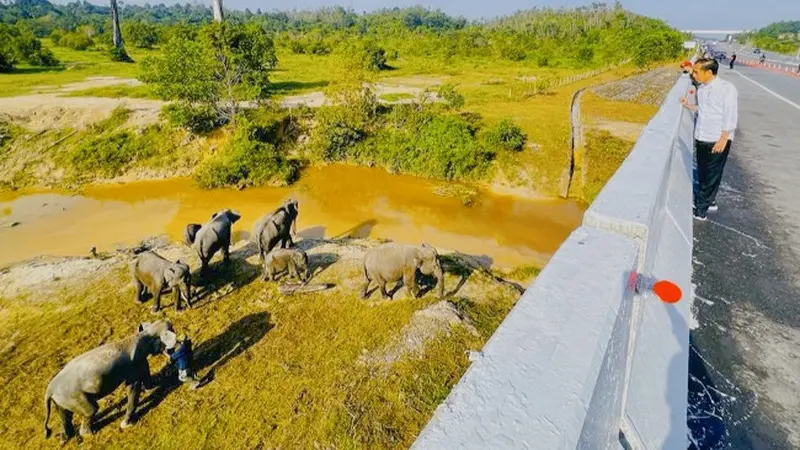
583	360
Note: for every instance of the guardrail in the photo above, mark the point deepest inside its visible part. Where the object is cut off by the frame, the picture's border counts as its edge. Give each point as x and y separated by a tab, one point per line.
788	68
583	360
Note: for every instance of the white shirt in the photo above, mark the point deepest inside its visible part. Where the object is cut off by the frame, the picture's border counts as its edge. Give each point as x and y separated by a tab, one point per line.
717	110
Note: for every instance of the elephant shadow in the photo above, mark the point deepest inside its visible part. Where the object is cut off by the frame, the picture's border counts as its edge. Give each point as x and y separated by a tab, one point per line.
209	356
317	232
319	262
237	274
462	266
360	231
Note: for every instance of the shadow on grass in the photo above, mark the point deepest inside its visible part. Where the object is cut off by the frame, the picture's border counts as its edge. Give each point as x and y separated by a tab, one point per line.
289	87
210	355
35	70
237	273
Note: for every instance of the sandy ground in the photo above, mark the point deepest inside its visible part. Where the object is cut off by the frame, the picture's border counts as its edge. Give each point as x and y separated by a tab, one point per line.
47	108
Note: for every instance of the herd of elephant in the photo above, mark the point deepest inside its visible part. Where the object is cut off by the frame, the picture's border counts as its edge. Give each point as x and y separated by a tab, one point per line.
98	372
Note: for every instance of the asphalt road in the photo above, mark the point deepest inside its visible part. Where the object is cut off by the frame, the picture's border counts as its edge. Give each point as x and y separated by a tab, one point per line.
748	52
745	359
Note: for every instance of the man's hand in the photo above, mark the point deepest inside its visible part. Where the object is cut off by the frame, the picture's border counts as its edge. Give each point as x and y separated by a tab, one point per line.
719	147
688	105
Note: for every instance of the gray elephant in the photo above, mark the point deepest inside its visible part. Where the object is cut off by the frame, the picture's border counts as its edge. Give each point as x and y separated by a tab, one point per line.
214	235
393	262
97	373
276	227
190	232
293	260
151	272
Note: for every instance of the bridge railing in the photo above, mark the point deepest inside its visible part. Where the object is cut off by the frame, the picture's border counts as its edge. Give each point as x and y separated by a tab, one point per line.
583	358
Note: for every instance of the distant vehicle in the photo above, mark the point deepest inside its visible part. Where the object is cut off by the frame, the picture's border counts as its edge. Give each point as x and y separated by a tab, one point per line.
721	55
756	50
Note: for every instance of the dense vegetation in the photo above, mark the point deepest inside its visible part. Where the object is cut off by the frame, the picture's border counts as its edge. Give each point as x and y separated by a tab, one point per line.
587	36
782	37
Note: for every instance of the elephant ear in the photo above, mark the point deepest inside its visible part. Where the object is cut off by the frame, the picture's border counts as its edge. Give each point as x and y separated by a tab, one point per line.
169	339
171	275
143	326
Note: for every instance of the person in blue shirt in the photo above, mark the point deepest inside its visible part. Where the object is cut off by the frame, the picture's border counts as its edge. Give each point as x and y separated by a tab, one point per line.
181	357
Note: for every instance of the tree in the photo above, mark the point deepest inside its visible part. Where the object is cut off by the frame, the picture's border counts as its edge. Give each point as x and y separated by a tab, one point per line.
227	63
118	53
216	5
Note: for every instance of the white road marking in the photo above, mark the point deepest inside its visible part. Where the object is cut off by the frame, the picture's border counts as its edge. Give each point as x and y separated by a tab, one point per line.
778	96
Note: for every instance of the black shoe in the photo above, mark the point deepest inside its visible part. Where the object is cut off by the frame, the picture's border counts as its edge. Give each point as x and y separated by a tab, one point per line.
701	216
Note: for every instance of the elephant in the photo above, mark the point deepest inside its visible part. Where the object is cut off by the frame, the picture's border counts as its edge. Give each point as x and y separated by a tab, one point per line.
97	373
276	227
214	235
151	272
190	232
293	260
393	262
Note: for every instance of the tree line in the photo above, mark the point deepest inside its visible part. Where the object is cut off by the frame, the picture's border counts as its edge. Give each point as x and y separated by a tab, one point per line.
781	37
594	35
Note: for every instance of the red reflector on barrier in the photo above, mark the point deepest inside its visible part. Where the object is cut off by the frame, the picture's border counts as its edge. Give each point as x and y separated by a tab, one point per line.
667	291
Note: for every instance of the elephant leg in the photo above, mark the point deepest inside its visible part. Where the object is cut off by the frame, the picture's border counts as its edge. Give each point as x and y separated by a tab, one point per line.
364	292
178	303
384	293
156	302
86	408
133	398
66	422
138	289
226	253
410	282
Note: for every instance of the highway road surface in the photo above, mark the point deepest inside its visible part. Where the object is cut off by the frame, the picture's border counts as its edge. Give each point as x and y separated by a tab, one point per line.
745	358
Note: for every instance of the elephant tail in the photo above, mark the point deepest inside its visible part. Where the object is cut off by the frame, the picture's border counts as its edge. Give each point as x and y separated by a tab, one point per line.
48	399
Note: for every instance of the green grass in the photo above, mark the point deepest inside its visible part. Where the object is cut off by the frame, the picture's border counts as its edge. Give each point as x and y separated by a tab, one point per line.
115	91
603	155
394	97
76	66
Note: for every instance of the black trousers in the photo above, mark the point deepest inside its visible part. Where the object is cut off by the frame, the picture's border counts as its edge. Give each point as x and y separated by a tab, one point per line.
709	173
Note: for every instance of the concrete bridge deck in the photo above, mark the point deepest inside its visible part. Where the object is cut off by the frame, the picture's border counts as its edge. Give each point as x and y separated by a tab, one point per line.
747	277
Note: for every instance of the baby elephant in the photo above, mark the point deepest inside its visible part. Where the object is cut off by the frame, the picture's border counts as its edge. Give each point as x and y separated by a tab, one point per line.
153	273
97	373
392	262
293	260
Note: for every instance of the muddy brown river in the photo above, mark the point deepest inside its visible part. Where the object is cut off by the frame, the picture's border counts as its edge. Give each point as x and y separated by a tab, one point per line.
335	201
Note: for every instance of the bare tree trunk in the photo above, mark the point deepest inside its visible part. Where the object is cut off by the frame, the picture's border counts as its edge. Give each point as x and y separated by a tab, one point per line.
217	7
115	24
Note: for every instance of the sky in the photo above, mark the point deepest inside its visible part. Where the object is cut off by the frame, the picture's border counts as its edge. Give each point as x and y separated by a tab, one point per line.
684	14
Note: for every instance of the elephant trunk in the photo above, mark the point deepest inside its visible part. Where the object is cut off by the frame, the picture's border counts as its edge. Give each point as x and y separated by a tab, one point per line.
439	274
294	226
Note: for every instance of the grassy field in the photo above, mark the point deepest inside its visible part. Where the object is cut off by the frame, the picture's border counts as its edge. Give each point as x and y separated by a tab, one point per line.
325	370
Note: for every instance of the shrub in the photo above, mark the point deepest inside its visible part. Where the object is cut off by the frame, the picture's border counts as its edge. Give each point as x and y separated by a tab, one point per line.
437	146
76	40
246	161
7	60
346	123
199	119
505	135
453	99
140	34
106	155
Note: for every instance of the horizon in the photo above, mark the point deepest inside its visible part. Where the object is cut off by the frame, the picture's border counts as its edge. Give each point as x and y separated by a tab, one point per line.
763	14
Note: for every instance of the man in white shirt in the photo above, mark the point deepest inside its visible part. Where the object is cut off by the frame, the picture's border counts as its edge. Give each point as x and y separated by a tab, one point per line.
717	114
